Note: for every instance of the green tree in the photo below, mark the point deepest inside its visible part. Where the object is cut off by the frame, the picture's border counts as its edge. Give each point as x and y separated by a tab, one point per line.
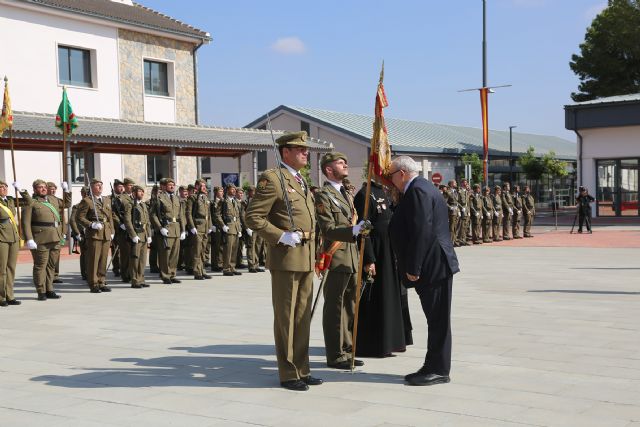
609	59
476	166
531	165
306	174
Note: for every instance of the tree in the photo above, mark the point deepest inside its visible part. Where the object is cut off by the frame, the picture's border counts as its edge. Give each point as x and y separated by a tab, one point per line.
306	174
476	166
531	165
609	60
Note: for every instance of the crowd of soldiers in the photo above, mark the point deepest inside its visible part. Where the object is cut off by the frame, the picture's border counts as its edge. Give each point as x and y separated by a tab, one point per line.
481	216
174	230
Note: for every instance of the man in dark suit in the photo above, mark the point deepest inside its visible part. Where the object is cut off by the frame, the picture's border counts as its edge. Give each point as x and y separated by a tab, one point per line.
426	260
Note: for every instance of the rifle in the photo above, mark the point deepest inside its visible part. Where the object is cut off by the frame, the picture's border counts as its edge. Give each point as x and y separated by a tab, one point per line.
134	211
163	222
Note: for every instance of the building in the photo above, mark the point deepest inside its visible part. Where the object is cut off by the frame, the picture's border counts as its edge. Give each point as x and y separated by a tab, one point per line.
437	147
608	151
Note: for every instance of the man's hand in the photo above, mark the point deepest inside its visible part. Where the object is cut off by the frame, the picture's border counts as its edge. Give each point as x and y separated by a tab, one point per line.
16	185
149	240
194	231
123	227
164	232
136	240
225	228
412	278
363	227
96	225
31	244
290	238
112	236
183	235
249	232
65	186
370	268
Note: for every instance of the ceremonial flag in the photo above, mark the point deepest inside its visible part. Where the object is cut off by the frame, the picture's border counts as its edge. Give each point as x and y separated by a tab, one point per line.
6	118
65	119
484	102
380	157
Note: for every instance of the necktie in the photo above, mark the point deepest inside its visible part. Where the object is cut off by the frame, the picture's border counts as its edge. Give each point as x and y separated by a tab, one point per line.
343	191
301	182
171	197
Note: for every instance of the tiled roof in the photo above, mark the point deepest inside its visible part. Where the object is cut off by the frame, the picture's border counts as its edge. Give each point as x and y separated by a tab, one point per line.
112	131
136	15
408	136
632	97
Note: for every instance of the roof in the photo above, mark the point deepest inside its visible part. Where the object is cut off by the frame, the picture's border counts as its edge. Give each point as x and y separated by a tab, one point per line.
408	136
136	15
632	97
37	131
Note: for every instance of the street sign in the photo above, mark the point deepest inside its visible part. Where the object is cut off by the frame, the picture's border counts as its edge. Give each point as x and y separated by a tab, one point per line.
436	178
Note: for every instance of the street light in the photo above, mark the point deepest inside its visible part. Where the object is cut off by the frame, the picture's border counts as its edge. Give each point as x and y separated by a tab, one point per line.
511	154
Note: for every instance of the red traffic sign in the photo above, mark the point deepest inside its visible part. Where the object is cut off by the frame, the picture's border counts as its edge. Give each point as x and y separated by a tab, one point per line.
436	178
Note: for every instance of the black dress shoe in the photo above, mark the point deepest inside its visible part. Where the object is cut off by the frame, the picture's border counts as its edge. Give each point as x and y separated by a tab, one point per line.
154	270
237	273
216	269
422	371
241	266
346	365
189	271
260	270
144	285
166	281
42	297
198	277
253	270
206	276
428	379
228	273
57	281
136	286
13	302
295	385
311	380
3	303
95	290
52	295
174	280
105	289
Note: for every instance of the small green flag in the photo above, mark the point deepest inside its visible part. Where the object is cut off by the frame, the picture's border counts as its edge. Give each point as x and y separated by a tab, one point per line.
65	119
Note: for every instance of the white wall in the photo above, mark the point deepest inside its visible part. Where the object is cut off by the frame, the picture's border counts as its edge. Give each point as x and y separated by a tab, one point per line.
108	167
159	109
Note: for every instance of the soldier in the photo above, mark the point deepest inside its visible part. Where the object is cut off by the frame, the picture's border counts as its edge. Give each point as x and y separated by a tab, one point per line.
94	214
463	207
61	205
242	241
153	248
185	257
487	215
9	246
496	198
121	199
517	212
528	211
216	235
507	209
138	225
228	220
78	233
41	228
291	256
199	225
475	207
451	197
168	221
252	250
337	217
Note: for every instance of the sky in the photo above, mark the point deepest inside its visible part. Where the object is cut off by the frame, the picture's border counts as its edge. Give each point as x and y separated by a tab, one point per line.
327	55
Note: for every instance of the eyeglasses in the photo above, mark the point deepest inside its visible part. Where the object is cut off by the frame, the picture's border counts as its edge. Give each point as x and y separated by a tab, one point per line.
394	172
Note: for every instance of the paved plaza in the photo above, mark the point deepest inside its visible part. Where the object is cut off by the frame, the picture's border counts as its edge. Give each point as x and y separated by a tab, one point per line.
544	335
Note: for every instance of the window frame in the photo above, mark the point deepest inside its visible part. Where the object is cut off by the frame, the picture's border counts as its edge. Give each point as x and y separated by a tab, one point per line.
155	167
92	68
170	77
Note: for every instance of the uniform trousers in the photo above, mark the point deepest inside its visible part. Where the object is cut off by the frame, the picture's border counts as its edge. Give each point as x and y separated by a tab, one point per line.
252	257
138	263
197	250
515	225
97	254
168	258
436	305
453	228
45	257
8	259
486	229
476	229
124	254
497	225
337	315
229	253
528	221
83	257
506	224
291	295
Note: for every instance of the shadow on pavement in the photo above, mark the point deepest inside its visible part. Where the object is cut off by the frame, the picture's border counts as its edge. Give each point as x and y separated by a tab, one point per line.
576	291
605	268
204	371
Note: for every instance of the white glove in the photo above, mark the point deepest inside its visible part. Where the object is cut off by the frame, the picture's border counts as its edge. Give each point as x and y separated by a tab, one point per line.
249	232
225	228
510	211
64	236
79	238
16	185
497	214
459	214
112	236
164	232
136	240
183	235
213	229
464	210
477	214
32	245
356	228
123	227
148	240
194	231
290	238
96	226
65	186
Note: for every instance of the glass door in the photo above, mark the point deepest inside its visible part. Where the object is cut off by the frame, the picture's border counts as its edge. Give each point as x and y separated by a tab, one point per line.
629	187
606	200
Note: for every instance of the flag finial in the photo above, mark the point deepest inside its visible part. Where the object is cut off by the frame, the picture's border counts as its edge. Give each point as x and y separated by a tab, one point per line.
6	79
382	72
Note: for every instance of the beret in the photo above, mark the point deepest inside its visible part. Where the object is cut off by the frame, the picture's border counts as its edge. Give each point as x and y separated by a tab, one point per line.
332	157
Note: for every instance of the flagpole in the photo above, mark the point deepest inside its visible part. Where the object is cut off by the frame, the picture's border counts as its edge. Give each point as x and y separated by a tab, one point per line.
13	165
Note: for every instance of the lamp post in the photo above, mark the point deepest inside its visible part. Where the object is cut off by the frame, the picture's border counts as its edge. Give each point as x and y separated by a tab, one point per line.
511	154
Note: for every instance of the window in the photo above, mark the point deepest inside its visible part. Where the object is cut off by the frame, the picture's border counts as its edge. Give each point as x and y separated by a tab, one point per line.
205	165
74	66
156	80
157	168
262	160
305	127
81	163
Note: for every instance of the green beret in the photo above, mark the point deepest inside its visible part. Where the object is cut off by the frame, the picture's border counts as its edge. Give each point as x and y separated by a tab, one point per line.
136	188
128	181
293	138
3	183
251	188
497	187
163	181
95	181
117	182
51	184
85	189
332	157
199	181
229	185
169	180
191	187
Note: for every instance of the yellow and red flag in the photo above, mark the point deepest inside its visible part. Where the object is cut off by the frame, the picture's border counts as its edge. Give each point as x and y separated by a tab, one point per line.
6	118
380	157
484	103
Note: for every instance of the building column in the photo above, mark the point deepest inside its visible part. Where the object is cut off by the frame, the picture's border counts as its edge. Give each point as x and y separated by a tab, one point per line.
174	164
254	163
318	158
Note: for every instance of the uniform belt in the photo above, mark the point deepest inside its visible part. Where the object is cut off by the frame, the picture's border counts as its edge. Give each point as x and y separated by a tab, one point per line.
306	235
170	220
4	220
45	224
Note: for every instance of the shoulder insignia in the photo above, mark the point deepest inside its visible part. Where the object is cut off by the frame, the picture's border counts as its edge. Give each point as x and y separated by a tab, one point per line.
320	208
262	184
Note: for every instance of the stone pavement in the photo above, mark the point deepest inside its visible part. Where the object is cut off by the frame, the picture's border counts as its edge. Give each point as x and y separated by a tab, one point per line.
543	336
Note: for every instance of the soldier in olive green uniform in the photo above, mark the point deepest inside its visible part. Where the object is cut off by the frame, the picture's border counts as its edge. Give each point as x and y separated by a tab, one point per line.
337	218
488	212
61	205
451	197
216	235
228	220
9	246
138	225
41	228
120	201
475	207
252	238
242	238
463	207
94	214
528	211
198	208
291	258
496	198
167	218
517	212
507	210
78	233
153	248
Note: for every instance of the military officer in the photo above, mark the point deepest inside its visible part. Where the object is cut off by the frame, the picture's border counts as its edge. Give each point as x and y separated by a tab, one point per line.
475	207
216	234
94	214
291	259
242	238
496	198
228	220
488	212
9	246
199	225
138	227
517	212
41	227
121	199
61	205
337	217
528	211
463	207
451	197
78	233
507	210
168	222
153	248
252	250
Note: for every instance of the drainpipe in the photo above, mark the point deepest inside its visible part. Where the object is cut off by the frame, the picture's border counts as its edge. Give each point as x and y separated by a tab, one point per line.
195	99
575	129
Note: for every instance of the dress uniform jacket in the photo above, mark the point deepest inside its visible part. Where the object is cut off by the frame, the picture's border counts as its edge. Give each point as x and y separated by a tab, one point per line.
168	213
198	216
451	197
291	267
137	222
120	204
9	246
97	241
487	218
507	209
497	217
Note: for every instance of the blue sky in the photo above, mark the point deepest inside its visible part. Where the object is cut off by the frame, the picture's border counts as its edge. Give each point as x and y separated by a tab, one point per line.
327	54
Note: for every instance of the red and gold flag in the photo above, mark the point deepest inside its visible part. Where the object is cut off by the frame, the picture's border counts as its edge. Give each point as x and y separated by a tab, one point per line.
484	103
380	157
6	118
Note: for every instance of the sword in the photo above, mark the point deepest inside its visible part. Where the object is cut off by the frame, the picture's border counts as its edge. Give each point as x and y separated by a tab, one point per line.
315	303
292	226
